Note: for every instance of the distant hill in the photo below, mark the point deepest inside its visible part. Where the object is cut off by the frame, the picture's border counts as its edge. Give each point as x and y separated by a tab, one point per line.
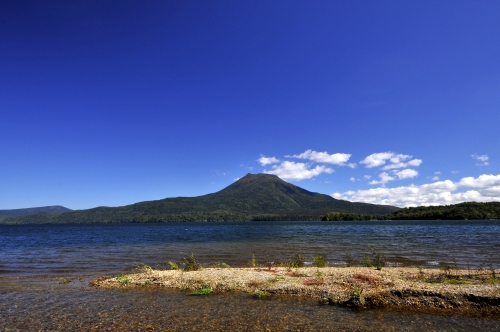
462	211
28	211
253	197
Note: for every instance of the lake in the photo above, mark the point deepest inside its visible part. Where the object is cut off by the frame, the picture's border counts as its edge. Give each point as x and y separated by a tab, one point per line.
34	257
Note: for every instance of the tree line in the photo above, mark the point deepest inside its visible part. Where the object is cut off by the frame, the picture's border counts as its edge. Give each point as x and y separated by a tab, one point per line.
462	211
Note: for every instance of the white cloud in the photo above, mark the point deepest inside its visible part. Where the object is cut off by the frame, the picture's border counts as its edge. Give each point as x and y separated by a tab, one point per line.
436	176
289	170
376	159
394	161
397	175
414	162
488	185
485	188
367	177
352	179
323	157
483	159
267	160
406	174
384	178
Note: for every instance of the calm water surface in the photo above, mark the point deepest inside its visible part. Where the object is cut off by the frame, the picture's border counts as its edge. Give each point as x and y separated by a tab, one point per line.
114	248
33	258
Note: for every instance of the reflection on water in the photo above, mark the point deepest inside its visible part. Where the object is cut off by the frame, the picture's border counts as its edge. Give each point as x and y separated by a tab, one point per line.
32	304
113	248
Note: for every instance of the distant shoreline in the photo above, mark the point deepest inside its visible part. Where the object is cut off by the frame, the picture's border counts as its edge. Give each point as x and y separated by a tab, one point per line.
364	287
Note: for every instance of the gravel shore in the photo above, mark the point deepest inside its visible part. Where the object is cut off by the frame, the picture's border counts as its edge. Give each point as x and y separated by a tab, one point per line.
349	286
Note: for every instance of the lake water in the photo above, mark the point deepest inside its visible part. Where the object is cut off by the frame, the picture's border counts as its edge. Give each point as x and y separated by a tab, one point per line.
33	258
114	248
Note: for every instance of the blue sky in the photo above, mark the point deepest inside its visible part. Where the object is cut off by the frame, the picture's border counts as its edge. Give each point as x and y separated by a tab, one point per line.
108	103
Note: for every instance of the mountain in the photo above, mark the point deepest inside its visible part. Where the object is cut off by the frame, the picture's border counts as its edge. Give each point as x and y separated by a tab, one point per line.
253	197
28	211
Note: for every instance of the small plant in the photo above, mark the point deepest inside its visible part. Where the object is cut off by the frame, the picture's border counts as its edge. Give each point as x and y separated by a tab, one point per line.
378	258
297	261
493	281
319	274
173	265
252	262
357	292
122	279
205	290
147	282
190	263
219	265
319	261
458	282
143	269
259	293
276	278
64	281
367	261
269	263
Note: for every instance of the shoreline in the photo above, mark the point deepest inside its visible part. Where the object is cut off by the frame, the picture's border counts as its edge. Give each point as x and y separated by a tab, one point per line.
356	287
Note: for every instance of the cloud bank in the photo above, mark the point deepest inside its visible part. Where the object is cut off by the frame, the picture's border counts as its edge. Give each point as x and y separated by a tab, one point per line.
484	188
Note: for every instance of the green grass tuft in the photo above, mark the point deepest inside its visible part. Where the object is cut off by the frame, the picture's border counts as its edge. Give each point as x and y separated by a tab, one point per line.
319	261
123	279
252	262
173	265
190	263
260	293
297	261
205	290
219	265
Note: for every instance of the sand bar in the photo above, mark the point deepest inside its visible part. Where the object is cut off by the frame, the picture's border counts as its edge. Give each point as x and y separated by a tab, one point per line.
350	286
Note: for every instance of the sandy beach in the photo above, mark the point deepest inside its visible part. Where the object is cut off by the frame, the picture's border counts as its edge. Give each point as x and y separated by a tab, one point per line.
350	286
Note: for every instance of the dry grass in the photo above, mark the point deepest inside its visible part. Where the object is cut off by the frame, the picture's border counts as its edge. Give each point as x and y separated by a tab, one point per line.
313	282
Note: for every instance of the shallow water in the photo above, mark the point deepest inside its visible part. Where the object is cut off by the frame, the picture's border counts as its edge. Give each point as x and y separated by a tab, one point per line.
34	258
32	304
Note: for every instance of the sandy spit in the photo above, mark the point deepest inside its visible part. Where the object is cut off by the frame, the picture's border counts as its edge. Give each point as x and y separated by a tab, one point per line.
350	286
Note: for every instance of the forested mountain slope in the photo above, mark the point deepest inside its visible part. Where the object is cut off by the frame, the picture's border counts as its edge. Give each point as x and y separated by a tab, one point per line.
253	197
